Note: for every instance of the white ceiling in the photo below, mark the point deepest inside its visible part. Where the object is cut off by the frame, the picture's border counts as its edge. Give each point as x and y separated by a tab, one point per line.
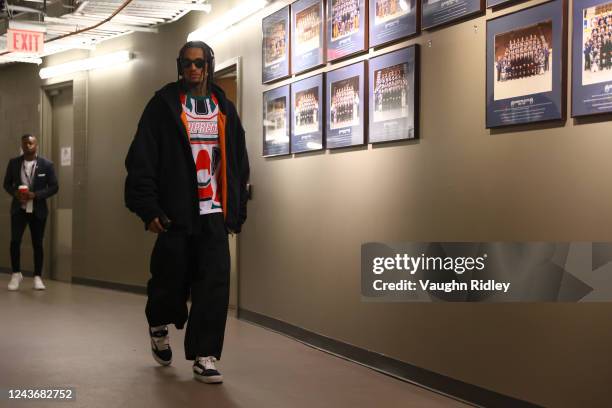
138	15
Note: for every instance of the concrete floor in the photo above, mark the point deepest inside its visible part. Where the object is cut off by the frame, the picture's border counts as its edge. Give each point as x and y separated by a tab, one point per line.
96	341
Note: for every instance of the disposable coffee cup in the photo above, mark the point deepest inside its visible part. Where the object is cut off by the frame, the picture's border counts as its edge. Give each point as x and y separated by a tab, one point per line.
30	204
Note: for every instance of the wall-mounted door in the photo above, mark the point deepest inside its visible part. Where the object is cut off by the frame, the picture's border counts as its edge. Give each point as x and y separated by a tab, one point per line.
58	129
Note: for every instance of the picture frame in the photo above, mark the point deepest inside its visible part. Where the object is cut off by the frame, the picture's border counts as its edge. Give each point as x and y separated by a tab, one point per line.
275	46
308	38
393	20
346	27
345	106
526	66
307	117
501	3
394	96
276	122
437	13
591	57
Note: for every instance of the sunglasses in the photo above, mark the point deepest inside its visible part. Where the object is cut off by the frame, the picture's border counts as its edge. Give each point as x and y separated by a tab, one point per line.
186	63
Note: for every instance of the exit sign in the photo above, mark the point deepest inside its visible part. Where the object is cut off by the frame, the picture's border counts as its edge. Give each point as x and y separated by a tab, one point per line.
25	41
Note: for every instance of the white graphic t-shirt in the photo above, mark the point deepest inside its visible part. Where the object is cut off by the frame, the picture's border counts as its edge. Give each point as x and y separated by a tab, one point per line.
201	116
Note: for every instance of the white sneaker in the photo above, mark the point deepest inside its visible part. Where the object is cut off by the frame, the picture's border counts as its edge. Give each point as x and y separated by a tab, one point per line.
16	279
38	283
160	345
204	370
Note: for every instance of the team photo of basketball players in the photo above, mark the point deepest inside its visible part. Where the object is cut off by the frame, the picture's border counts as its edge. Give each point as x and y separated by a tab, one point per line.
390	9
308	29
275	122
275	46
274	43
390	93
344	106
345	18
306	111
597	44
522	63
276	113
393	99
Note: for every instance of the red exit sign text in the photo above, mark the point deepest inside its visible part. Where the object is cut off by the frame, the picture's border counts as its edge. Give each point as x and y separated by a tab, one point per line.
25	41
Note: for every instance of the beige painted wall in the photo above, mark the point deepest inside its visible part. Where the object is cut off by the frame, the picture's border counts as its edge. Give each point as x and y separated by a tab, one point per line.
19	98
299	251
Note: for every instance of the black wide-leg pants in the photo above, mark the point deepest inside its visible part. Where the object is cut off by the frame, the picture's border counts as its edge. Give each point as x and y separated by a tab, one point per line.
196	265
19	221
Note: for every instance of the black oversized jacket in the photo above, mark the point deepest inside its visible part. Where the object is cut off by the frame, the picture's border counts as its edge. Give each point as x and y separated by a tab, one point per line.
44	184
161	171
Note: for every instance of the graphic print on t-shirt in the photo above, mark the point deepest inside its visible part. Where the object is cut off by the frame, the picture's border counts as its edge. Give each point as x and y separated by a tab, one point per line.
201	116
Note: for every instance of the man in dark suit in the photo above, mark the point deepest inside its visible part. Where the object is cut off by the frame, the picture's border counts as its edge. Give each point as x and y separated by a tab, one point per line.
30	180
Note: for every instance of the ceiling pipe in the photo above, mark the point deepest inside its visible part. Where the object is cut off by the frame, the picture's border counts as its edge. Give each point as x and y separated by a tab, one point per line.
122	22
106	20
24	9
74	21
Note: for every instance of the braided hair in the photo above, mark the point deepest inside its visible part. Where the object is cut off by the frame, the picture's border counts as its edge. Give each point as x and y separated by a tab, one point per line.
209	57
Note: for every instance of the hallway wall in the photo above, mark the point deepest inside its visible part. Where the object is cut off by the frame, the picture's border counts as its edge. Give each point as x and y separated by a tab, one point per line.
19	98
300	248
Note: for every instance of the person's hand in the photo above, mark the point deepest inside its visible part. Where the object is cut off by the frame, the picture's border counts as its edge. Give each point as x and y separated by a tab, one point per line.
21	196
155	226
30	195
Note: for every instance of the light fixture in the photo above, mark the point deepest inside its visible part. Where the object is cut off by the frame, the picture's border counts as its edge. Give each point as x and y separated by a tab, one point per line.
230	18
19	58
103	61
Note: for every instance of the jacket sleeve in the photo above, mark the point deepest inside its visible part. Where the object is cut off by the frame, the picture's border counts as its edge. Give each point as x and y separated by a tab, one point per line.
243	173
141	163
9	183
52	186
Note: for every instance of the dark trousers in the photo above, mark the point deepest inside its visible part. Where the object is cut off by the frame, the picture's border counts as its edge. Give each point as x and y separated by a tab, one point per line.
19	221
198	266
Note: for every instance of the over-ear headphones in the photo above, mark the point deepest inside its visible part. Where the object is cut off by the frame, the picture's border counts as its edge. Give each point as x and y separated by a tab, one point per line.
209	57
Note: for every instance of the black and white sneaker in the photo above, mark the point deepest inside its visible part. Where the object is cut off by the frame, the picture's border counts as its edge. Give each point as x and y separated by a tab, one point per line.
160	345
204	370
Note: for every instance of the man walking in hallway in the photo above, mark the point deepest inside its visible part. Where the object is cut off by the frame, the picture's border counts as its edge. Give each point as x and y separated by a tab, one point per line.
187	173
30	180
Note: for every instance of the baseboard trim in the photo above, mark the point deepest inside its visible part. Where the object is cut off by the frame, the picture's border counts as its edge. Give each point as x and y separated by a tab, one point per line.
29	274
462	391
141	290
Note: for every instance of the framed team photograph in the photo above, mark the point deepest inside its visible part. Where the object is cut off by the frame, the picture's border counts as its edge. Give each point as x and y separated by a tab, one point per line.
393	100
307	114
591	57
345	101
275	46
307	35
526	66
435	13
392	20
276	111
346	28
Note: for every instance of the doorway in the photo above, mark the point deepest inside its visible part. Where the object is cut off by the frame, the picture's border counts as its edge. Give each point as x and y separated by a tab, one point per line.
58	134
227	77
